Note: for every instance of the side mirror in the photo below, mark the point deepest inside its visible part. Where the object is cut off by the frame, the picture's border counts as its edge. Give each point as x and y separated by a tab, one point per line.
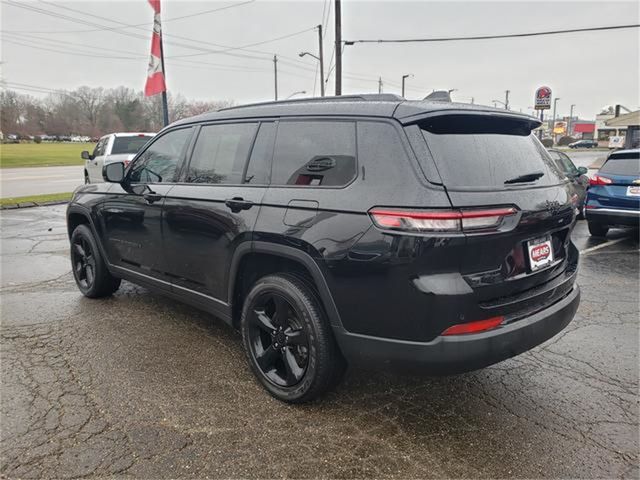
113	172
86	155
583	170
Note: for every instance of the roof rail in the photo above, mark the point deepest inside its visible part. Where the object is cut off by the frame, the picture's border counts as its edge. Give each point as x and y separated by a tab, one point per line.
367	97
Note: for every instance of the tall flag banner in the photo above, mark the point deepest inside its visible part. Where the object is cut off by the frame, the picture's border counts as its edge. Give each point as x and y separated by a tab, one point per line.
155	74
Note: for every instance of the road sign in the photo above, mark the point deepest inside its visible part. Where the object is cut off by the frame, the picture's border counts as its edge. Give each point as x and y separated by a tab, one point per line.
543	98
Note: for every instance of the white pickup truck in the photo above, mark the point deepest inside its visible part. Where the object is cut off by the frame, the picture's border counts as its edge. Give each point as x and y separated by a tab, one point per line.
115	147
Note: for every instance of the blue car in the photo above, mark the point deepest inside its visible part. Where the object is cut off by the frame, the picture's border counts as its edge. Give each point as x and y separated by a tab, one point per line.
613	197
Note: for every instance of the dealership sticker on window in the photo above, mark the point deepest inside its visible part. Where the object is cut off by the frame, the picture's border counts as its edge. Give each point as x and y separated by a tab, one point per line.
540	253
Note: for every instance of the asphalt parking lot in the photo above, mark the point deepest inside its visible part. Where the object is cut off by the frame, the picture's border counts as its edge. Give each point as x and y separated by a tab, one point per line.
141	386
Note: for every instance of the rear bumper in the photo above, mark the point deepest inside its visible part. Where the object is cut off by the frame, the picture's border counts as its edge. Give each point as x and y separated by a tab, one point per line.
613	216
462	353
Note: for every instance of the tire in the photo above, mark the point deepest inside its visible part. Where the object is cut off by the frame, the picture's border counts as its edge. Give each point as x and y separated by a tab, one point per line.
89	269
288	341
597	229
580	215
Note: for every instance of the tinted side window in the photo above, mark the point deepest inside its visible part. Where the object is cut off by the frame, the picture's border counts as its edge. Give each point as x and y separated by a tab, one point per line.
259	167
221	153
314	153
100	147
565	164
158	163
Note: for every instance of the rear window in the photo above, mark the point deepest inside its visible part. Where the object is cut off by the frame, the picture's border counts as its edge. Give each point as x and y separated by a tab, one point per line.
122	145
485	152
622	164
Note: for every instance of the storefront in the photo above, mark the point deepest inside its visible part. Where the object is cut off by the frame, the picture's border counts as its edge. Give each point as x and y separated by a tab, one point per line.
627	126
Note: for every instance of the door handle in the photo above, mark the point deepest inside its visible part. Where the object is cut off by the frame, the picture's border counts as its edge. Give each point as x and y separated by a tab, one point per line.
152	197
236	204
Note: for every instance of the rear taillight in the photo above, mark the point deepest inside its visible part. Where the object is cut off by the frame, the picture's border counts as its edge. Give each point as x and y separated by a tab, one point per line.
439	220
474	327
600	180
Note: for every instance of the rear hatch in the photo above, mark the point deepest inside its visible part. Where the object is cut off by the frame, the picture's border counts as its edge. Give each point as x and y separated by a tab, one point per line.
617	183
494	161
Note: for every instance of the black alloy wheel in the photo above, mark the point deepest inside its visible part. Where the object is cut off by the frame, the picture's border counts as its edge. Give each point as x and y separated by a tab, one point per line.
89	269
288	339
84	263
277	339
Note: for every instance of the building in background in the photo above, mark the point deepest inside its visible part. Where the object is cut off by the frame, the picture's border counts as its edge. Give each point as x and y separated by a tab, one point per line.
614	128
583	130
627	126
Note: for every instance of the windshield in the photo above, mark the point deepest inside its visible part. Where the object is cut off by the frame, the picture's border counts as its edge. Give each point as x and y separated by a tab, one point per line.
488	152
623	164
129	145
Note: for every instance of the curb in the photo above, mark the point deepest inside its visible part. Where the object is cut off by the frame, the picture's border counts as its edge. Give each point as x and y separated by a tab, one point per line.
14	206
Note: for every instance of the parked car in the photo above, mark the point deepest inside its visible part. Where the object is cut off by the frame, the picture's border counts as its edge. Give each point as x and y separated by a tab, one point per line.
584	144
613	197
577	176
365	229
115	147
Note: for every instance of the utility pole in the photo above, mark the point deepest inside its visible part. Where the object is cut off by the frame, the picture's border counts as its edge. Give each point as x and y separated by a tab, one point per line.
321	59
275	75
338	15
379	84
553	122
506	99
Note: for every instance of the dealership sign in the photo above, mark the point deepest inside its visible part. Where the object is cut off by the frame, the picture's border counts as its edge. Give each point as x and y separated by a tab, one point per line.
543	98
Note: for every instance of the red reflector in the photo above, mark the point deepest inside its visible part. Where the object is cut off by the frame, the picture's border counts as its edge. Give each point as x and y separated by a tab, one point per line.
474	327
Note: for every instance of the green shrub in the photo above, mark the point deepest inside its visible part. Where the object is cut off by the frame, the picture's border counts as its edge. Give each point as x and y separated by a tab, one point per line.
37	139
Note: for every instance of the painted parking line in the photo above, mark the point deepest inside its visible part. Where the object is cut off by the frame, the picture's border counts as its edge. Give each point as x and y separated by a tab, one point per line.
602	245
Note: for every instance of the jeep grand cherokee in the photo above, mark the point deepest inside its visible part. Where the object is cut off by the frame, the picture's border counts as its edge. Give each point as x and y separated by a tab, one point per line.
338	230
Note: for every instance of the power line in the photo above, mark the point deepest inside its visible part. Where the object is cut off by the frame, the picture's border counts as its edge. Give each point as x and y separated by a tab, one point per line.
172	19
493	37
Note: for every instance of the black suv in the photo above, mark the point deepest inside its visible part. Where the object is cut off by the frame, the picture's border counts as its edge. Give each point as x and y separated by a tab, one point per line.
342	230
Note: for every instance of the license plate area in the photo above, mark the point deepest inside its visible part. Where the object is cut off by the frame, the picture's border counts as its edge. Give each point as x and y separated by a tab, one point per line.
540	253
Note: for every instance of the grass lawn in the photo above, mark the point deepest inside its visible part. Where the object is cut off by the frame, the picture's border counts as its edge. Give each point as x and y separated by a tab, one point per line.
13	155
50	197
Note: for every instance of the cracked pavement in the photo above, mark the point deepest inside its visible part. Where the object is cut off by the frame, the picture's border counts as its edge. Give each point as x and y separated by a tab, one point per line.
141	386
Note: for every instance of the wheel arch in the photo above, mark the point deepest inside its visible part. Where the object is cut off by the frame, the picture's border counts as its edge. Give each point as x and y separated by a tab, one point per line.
254	260
77	215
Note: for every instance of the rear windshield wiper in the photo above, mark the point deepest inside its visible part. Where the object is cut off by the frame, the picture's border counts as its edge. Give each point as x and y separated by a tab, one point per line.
528	177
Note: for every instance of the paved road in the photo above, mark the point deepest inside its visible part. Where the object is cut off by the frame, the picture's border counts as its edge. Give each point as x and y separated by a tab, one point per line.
21	182
140	386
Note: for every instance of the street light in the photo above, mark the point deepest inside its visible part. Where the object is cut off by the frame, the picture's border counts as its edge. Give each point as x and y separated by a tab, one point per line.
319	58
570	123
404	77
301	92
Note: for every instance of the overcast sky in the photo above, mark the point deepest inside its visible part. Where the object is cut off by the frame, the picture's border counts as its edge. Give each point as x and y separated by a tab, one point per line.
589	70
